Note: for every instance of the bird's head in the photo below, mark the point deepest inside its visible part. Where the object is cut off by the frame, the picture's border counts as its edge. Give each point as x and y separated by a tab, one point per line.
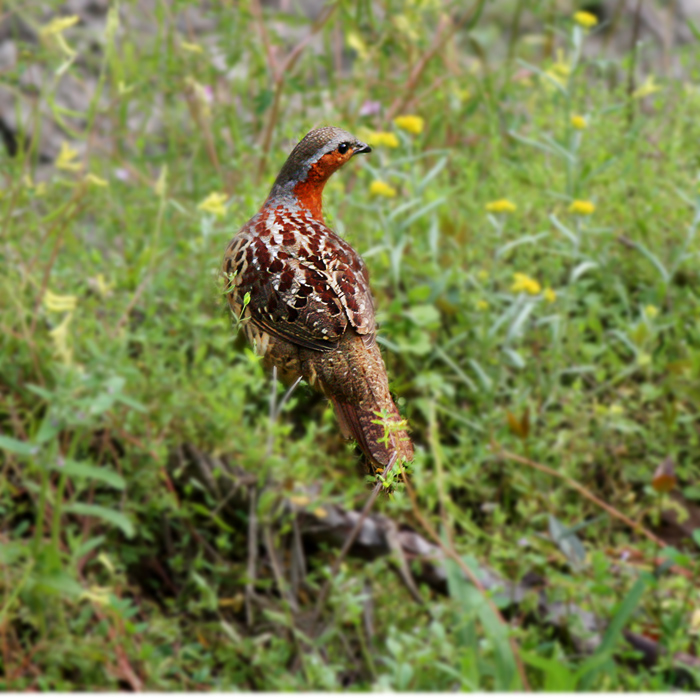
314	159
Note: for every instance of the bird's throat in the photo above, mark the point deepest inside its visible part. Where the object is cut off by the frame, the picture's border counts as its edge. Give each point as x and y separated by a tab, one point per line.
309	191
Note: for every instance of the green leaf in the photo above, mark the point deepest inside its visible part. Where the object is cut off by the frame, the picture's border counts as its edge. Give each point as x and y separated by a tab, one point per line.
17	447
114	517
473	602
59	582
84	470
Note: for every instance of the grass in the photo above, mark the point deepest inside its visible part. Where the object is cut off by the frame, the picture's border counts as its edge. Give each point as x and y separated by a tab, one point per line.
116	347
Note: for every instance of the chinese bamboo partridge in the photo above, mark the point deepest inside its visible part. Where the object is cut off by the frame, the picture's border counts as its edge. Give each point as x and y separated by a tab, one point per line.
310	311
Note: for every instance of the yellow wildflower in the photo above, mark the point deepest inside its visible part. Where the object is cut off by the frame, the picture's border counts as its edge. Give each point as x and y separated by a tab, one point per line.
58	25
54	31
97	181
582	207
483	275
648	87
585	19
501	206
644	359
549	295
651	311
39	189
411	123
482	305
382	138
66	158
161	186
214	204
523	283
616	410
381	189
191	47
560	70
57	302
356	43
59	337
578	122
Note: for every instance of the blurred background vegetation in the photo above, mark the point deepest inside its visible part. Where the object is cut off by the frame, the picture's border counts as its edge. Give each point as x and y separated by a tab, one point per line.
529	218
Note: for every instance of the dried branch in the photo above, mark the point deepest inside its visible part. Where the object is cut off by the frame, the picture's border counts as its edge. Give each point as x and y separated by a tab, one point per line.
378	536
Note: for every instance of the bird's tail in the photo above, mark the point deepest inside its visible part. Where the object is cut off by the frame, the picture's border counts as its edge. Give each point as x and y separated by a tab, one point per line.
379	433
354	378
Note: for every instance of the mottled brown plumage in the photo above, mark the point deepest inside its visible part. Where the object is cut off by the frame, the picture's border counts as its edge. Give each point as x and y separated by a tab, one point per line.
310	312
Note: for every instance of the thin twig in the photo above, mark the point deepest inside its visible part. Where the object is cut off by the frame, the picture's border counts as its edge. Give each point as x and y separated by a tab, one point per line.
351	540
505	454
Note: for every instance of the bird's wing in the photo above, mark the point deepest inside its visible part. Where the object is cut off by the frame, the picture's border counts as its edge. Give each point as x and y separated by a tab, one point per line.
307	297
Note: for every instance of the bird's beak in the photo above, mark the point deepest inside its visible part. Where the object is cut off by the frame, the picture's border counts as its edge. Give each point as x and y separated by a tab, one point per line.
361	148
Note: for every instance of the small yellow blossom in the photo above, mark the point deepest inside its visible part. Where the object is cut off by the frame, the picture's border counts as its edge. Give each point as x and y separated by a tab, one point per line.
39	190
382	189
648	87
192	48
382	138
463	94
482	305
523	283
578	122
651	311
549	295
644	359
411	123
59	337
58	25
501	206
97	594
616	410
585	19
214	204
559	71
161	186
356	42
58	302
483	275
66	158
583	207
96	181
53	31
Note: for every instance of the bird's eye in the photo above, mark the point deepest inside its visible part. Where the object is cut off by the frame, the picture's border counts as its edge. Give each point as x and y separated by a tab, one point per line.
343	148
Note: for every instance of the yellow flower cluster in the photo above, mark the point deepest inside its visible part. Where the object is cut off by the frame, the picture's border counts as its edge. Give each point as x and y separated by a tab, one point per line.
523	283
214	204
559	72
651	311
66	158
501	206
582	207
191	47
382	189
549	295
58	25
578	122
53	31
59	334
585	19
482	305
648	87
381	138
411	123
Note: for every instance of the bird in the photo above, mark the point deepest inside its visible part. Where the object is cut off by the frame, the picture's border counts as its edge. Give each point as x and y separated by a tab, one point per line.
302	297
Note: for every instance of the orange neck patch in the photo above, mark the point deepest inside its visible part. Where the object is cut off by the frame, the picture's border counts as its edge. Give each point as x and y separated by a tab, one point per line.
309	192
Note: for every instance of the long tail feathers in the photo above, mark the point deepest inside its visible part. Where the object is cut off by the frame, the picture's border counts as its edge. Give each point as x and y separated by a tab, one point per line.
365	427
